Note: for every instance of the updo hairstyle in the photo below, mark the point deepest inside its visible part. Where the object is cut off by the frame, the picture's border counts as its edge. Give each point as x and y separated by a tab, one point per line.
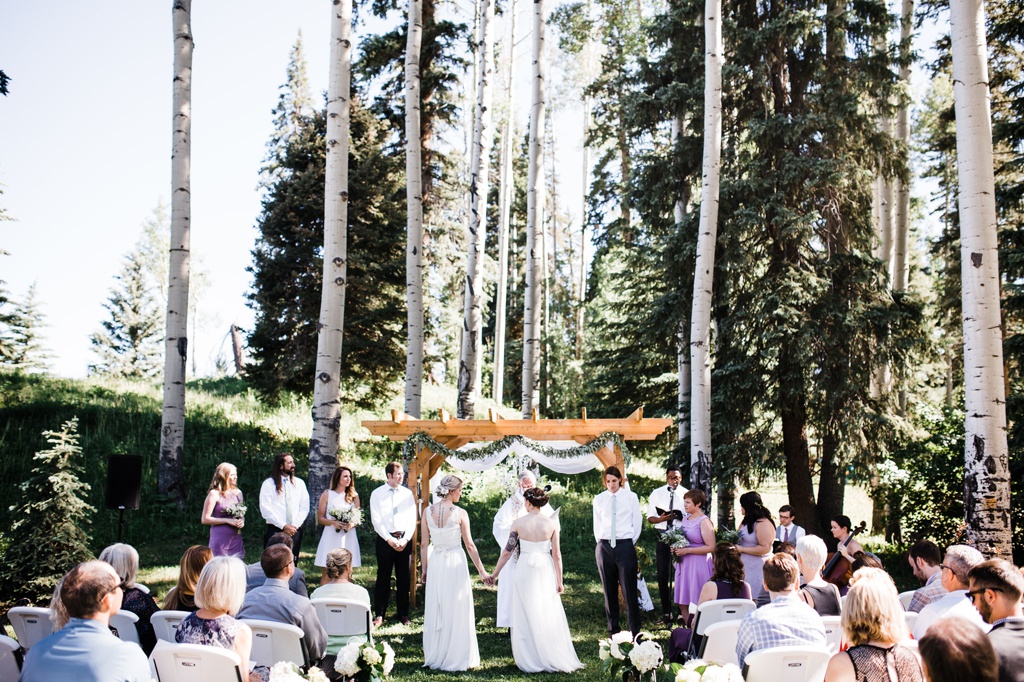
535	496
339	562
447	485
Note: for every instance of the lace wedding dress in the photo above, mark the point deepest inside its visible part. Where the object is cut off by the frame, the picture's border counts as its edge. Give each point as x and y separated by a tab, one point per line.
449	623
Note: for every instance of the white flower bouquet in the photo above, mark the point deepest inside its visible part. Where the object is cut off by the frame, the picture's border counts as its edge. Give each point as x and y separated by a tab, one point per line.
353	516
236	511
698	670
675	538
623	657
362	661
286	671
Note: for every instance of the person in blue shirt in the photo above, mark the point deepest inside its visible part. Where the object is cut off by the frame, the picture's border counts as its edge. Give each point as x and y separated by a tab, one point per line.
85	650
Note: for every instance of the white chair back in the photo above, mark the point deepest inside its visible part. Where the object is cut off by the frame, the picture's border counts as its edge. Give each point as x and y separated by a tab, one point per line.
720	610
31	624
911	618
165	624
191	662
124	622
833	633
720	642
842	603
906	598
9	670
344	617
274	642
789	663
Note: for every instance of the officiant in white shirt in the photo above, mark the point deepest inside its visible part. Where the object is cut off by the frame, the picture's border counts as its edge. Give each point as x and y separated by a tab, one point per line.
664	511
512	509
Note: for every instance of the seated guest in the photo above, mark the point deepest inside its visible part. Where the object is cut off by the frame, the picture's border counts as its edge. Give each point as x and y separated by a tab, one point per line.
85	650
274	601
957	651
219	594
255	577
960	559
820	595
874	626
763	596
727	579
182	596
787	620
339	586
125	561
925	557
996	588
58	614
862	559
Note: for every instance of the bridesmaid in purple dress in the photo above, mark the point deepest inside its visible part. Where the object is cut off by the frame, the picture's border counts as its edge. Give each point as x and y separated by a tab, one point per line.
694	568
225	529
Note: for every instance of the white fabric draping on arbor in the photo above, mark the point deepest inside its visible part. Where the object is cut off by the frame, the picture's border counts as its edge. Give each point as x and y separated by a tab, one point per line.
563	465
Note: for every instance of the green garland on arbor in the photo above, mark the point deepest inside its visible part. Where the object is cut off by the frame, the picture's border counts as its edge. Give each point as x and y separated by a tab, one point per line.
422	439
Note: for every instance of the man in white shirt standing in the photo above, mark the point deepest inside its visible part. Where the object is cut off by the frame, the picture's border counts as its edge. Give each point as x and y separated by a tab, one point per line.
664	510
284	502
787	530
617	522
393	513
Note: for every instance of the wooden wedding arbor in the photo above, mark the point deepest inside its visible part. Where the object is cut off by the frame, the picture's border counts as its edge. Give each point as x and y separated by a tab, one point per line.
454	433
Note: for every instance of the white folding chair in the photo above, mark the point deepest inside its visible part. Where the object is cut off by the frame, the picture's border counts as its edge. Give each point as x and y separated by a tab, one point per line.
274	642
906	598
31	624
191	662
911	618
717	611
344	617
9	670
720	642
142	587
842	603
789	663
833	633
124	622
165	624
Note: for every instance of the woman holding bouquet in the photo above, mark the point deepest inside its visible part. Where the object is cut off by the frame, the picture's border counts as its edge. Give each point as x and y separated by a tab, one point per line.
339	513
224	512
694	567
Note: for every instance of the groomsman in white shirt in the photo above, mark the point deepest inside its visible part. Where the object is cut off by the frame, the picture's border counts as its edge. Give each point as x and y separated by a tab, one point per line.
393	513
787	530
669	500
284	502
617	522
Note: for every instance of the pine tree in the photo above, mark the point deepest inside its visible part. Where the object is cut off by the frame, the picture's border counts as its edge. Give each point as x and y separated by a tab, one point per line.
47	537
129	343
29	353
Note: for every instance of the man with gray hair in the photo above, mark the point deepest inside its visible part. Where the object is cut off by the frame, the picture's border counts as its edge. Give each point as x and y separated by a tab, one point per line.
956	569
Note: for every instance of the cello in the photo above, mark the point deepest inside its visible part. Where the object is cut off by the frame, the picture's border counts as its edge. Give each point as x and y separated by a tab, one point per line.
838	569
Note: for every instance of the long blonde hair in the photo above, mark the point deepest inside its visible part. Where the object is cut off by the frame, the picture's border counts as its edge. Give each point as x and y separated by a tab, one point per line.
872	610
221	475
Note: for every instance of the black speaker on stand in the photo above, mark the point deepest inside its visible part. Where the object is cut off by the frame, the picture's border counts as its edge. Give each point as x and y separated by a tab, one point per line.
124	485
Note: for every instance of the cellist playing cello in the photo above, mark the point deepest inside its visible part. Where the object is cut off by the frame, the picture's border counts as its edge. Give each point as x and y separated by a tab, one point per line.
837	570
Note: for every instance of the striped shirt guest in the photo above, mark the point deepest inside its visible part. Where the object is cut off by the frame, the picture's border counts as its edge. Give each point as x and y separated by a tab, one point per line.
787	620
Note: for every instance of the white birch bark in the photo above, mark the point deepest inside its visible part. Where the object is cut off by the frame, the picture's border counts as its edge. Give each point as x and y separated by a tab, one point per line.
414	224
472	341
504	212
534	222
901	226
323	445
172	429
700	321
986	470
679	211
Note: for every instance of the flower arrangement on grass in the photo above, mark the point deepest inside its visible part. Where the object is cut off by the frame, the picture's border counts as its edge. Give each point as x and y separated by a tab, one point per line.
365	662
699	670
624	657
236	511
352	516
286	671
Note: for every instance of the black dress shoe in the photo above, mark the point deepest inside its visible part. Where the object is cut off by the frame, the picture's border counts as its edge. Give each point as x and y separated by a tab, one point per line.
404	621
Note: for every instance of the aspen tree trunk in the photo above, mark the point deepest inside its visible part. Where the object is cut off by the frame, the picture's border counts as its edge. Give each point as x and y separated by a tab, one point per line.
682	333
504	211
414	198
986	470
236	349
532	304
700	323
472	342
170	475
582	298
901	228
323	445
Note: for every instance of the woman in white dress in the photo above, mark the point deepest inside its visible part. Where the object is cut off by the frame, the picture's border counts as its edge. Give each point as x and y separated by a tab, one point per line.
449	622
341	496
540	632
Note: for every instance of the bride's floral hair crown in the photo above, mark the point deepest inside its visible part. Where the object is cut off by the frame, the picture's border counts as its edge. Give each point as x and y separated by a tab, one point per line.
447	485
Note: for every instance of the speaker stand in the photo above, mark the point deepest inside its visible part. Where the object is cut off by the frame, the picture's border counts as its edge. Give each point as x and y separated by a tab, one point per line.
120	523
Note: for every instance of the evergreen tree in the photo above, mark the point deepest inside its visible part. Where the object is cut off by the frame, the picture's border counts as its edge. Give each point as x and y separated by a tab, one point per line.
129	343
6	312
29	353
47	537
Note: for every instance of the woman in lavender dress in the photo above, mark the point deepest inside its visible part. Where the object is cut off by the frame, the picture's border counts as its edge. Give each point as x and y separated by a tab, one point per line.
694	567
757	532
225	529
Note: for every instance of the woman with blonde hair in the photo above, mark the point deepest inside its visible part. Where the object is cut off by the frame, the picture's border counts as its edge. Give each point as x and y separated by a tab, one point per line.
874	626
125	561
340	497
182	596
222	514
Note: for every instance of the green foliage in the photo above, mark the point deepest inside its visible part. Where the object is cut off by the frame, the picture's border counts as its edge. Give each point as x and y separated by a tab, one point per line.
25	326
4	80
47	536
129	343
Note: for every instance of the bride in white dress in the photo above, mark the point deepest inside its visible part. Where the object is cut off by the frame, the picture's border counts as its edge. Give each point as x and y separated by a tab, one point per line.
540	633
449	623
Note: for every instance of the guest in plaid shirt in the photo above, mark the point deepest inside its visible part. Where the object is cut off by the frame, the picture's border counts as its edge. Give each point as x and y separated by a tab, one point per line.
925	557
787	620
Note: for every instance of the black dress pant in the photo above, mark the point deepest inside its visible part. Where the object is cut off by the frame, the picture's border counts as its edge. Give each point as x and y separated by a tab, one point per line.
666	577
296	539
389	560
617	567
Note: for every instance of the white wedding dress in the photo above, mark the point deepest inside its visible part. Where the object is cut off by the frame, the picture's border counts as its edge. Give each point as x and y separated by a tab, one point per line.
449	623
540	633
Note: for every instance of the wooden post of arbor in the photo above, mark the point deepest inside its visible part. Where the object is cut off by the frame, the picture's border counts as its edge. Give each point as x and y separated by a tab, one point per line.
454	433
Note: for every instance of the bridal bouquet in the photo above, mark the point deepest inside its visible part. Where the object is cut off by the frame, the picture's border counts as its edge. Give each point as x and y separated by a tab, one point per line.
623	657
286	671
236	511
675	538
352	516
365	662
699	670
727	535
